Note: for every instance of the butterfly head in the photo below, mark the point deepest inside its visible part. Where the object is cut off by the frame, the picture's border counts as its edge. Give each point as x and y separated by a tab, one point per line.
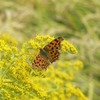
60	38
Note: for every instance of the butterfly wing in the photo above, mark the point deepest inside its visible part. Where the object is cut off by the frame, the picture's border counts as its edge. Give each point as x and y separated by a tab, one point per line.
40	62
53	55
53	49
55	44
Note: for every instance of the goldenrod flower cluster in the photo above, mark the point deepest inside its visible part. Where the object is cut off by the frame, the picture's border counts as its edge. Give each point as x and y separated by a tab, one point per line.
19	81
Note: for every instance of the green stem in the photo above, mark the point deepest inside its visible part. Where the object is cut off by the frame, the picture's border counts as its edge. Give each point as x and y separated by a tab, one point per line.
90	92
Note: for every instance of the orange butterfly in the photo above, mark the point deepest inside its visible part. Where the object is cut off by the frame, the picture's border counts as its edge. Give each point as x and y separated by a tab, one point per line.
48	54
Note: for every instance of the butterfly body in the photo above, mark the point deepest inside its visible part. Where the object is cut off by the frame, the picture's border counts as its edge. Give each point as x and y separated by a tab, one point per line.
44	53
49	54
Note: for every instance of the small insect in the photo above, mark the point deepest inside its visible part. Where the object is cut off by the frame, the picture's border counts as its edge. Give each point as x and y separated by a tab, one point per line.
49	54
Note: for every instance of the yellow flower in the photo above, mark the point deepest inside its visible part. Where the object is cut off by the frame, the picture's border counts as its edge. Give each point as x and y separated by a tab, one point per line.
78	65
68	47
19	81
9	40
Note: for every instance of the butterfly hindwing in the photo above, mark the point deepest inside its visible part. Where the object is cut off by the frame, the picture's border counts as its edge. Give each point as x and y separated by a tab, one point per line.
40	62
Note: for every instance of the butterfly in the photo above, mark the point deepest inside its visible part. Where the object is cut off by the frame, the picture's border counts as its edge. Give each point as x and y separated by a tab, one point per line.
49	54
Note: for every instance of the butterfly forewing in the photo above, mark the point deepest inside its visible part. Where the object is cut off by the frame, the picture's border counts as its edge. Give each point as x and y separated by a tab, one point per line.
53	49
53	55
55	44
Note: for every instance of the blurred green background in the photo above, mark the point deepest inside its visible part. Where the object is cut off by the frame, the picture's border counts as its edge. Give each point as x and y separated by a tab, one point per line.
78	21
